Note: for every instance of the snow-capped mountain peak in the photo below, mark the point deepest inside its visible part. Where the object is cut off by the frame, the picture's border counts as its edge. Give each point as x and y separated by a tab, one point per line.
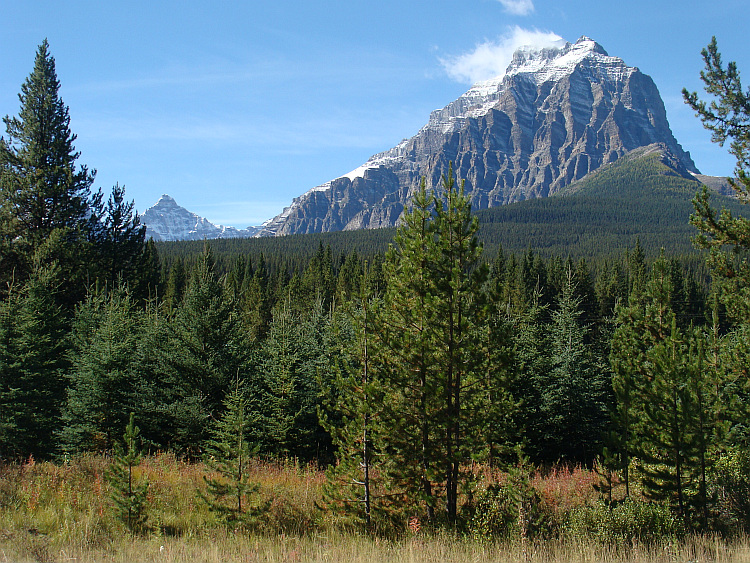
554	115
166	220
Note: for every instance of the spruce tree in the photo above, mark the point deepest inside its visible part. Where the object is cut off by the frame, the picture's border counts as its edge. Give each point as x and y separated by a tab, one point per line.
33	357
129	496
531	362
204	352
104	377
230	493
277	399
573	403
41	187
121	248
293	358
175	286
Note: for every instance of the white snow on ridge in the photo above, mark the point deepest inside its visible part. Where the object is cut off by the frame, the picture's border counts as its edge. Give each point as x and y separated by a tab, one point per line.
375	161
168	221
548	64
545	65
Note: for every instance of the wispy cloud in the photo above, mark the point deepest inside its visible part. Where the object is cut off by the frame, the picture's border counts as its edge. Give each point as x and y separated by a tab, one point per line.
518	7
491	58
252	131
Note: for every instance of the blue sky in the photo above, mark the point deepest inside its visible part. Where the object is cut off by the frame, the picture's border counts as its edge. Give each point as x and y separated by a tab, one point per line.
234	108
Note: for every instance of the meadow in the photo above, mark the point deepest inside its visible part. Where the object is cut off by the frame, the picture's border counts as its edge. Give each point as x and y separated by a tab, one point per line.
64	512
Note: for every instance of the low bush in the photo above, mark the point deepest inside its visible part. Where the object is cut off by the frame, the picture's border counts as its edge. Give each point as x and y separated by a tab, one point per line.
731	489
629	522
513	507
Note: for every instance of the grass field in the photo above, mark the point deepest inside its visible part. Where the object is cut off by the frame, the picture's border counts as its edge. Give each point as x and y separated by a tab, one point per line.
63	512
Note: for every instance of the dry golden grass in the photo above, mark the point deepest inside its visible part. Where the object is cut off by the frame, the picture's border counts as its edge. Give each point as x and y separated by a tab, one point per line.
63	513
227	547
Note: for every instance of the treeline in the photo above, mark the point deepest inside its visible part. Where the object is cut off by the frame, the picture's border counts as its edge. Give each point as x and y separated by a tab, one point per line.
637	199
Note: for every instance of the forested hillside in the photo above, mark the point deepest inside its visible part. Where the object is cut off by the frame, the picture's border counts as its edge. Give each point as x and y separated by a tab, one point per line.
638	197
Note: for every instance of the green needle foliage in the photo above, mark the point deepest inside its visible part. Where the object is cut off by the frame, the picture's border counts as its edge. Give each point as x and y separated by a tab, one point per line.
41	188
230	494
666	399
128	495
430	353
351	407
32	363
727	116
105	380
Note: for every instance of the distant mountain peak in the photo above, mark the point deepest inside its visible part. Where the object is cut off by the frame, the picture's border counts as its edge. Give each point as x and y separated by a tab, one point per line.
166	221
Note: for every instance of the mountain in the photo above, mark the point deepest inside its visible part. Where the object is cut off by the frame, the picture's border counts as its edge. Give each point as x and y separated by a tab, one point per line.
556	115
168	221
639	197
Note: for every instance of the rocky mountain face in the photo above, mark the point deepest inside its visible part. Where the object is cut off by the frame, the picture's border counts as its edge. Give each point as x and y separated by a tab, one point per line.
168	221
554	116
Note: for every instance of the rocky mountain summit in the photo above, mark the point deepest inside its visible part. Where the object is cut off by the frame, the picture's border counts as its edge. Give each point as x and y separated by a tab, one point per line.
554	116
168	221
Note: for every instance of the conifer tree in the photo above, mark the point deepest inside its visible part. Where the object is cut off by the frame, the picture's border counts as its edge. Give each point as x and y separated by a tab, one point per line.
175	286
205	351
256	304
32	355
121	248
147	284
727	116
458	329
531	361
11	408
666	398
727	236
129	496
41	188
230	494
104	376
277	399
172	417
430	351
294	357
403	353
574	392
498	403
348	414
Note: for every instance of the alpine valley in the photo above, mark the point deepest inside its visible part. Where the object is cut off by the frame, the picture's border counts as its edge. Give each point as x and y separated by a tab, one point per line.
552	120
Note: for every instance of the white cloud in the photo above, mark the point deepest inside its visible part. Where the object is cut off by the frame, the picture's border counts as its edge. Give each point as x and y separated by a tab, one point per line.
491	58
518	7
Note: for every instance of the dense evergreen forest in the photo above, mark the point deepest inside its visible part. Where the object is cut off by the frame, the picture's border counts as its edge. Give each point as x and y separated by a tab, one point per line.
637	200
397	359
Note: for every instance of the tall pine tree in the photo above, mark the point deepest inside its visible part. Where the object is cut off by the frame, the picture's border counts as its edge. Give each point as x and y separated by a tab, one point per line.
430	352
41	187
